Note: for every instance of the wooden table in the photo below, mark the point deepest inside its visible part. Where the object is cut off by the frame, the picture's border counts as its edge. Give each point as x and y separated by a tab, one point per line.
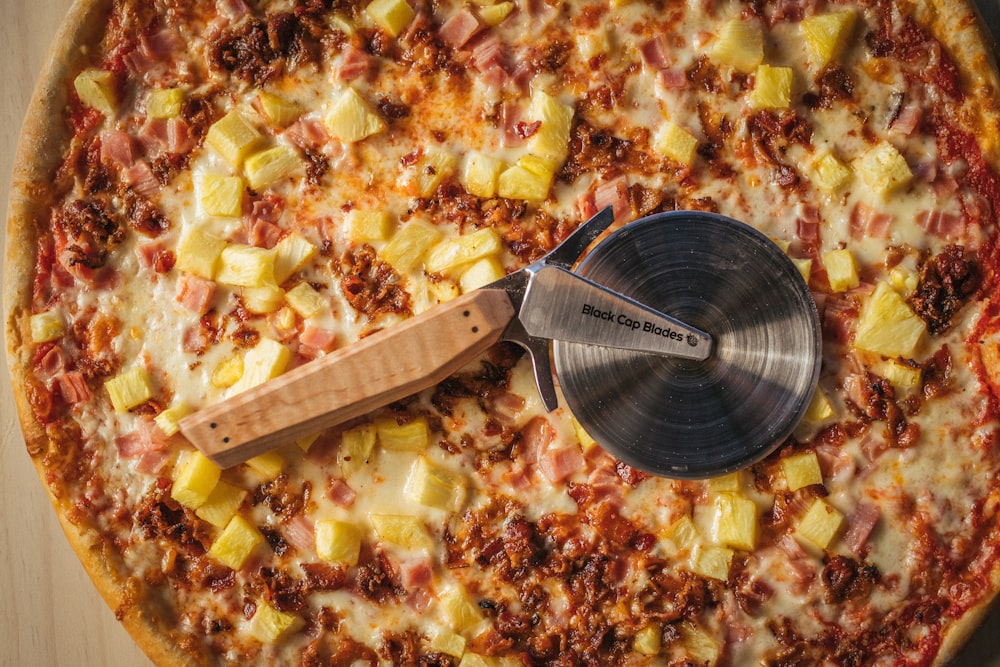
50	615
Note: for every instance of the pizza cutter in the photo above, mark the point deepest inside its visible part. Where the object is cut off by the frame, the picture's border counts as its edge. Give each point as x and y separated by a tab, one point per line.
686	343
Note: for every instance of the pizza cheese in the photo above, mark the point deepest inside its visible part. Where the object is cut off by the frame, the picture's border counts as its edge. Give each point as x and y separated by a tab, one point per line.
236	189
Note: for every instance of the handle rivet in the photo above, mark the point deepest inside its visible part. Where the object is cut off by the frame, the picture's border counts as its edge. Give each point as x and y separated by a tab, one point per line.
226	439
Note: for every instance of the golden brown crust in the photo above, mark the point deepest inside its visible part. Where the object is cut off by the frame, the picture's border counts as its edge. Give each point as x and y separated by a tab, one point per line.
956	25
40	149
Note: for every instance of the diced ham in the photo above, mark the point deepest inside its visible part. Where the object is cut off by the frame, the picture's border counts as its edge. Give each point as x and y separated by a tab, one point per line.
141	178
416	574
298	531
860	524
834	462
800	568
807	231
419	600
505	406
518	477
945	225
318	339
131	444
615	193
459	28
195	293
73	387
355	64
117	148
267	207
867	222
536	437
559	463
873	447
906	121
138	61
839	317
194	340
262	234
154	135
655	53
178	136
672	78
155	256
307	133
585	206
159	45
232	9
51	364
340	493
152	462
488	53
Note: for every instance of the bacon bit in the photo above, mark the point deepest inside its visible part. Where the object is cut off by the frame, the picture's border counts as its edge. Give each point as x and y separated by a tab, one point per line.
630	475
459	28
947	281
73	388
341	493
860	525
524	130
846	579
866	222
195	293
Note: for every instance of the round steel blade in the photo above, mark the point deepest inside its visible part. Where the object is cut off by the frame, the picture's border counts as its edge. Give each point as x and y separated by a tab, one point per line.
697	419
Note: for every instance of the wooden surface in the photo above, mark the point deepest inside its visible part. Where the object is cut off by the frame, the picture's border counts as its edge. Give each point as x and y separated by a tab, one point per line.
49	614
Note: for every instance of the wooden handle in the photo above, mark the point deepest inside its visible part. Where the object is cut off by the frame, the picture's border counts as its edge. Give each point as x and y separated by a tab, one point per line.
352	381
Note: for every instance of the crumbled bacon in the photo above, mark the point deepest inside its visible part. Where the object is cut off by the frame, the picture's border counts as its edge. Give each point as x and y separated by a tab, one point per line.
370	285
947	281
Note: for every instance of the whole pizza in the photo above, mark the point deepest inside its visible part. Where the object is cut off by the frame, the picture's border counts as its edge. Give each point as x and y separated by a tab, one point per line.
211	194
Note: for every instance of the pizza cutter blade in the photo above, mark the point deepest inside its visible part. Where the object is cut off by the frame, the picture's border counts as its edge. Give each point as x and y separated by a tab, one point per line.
619	354
695	419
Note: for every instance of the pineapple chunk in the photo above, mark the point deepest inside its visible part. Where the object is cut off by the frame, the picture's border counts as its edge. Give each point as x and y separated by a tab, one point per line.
593	44
676	143
227	372
481	174
271	165
820	524
529	179
269	625
801	470
233	137
804	266
338	541
356	446
351	119
904	280
448	642
262	300
268	465
700	647
221	505
221	195
195	479
772	88
405	530
711	562
461	612
198	253
168	420
434	166
901	376
164	103
432	486
648	641
887	326
883	168
406	249
236	542
584	438
494	15
453	253
730	483
841	270
265	361
45	326
246	266
277	110
734	522
828	173
819	408
683	533
306	301
364	226
291	254
96	89
551	141
391	15
739	45
129	389
827	34
339	22
479	273
412	436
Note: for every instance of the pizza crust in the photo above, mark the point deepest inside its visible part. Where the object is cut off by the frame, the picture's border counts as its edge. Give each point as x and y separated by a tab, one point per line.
40	151
38	155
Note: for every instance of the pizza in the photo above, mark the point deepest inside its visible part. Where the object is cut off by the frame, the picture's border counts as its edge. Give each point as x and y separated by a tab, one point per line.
209	194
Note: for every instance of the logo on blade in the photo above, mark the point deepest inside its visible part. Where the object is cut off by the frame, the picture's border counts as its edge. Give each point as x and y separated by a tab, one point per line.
692	340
